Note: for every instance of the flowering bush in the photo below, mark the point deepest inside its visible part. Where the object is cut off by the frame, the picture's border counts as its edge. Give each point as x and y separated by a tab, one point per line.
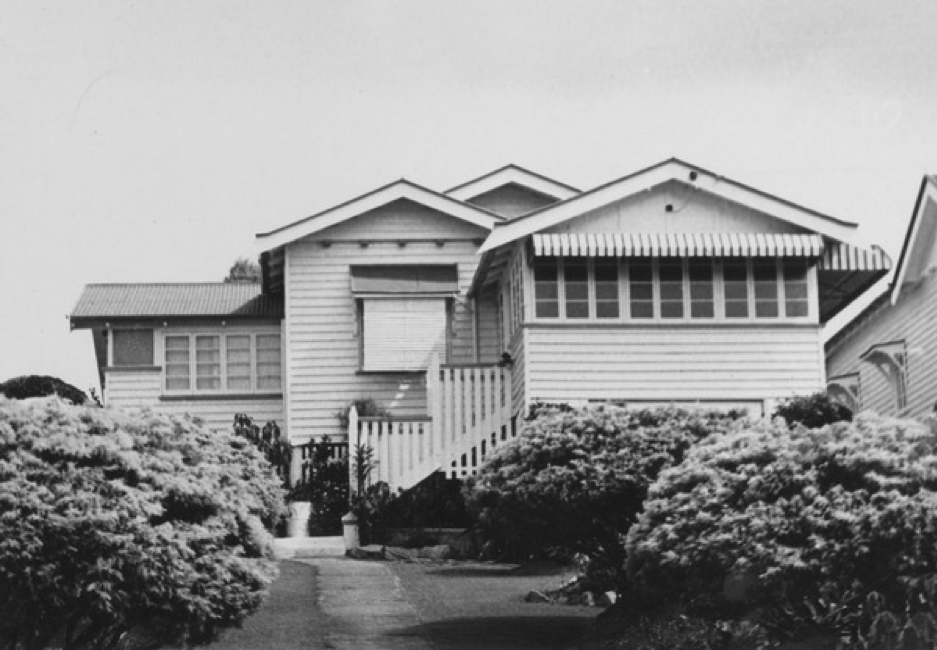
575	481
827	532
119	528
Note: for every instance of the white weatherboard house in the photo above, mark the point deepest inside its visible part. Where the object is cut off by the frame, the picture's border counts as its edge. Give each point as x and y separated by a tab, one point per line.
455	311
885	360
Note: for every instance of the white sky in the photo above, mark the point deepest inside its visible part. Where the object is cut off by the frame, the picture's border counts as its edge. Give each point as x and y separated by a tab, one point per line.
150	141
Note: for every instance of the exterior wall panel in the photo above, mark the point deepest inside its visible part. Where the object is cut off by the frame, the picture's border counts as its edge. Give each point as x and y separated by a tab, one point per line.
691	211
911	320
141	389
672	363
322	328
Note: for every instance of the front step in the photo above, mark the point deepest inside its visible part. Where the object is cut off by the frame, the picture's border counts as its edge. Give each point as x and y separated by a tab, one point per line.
289	548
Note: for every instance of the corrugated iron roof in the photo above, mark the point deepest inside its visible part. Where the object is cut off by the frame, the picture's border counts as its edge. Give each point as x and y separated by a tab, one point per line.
240	300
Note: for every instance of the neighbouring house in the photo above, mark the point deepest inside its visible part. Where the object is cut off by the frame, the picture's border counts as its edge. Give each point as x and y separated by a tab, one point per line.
885	359
454	311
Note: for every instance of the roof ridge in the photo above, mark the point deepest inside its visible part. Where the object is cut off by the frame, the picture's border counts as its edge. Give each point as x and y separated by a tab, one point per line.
171	284
511	166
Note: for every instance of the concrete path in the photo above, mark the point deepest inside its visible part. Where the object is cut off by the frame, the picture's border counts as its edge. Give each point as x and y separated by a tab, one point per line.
340	604
365	607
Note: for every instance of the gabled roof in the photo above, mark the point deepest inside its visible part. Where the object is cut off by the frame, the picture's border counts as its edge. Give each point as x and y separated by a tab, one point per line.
669	170
402	189
508	175
237	300
925	209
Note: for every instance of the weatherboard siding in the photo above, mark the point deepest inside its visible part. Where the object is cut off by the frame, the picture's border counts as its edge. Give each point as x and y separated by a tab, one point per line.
511	201
322	332
692	211
912	320
142	389
672	363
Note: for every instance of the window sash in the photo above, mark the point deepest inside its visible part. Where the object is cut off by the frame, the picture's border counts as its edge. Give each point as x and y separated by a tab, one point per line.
208	362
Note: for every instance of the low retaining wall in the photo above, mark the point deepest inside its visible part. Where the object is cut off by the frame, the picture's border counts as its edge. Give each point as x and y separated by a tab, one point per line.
463	541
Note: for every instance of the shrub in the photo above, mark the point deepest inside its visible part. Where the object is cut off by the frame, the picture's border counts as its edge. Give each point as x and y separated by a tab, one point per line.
119	527
326	488
575	481
41	386
812	411
824	532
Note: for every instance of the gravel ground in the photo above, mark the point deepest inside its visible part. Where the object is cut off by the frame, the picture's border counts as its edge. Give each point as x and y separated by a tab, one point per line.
475	606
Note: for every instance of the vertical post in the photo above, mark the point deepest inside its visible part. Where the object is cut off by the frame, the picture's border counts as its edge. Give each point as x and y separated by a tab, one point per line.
353	442
434	409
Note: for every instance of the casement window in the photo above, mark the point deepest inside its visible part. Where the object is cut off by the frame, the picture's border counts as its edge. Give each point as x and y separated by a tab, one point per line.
402	334
767	288
546	289
576	284
132	347
222	363
404	315
671	289
606	288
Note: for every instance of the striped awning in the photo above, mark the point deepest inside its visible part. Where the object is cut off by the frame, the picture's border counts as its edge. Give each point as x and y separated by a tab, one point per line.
843	257
677	245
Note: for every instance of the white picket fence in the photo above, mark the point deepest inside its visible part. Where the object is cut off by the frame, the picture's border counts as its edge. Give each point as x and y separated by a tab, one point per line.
469	413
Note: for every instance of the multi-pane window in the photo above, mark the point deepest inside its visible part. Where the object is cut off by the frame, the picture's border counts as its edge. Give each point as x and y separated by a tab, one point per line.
546	289
795	288
672	288
641	288
238	356
670	274
178	366
222	363
735	287
765	277
576	284
268	361
700	273
606	288
207	362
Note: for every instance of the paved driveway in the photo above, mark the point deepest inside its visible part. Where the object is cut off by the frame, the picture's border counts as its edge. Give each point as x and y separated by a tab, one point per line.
339	604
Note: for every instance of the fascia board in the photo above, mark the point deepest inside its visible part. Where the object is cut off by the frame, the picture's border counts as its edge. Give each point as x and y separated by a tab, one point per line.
668	171
516	176
927	191
374	200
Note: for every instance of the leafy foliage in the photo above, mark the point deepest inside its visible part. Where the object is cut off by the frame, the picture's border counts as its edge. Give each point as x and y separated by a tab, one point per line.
326	488
127	529
812	411
364	407
575	481
243	270
268	441
811	531
41	386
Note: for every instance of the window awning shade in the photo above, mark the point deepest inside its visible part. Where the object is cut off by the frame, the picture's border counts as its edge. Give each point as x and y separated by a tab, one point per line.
405	279
843	257
677	245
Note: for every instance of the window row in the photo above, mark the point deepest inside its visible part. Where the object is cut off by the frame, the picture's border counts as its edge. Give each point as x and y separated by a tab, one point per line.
222	363
671	288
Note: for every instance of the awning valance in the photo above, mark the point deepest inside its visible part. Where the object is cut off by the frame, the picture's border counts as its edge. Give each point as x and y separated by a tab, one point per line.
410	279
843	257
677	245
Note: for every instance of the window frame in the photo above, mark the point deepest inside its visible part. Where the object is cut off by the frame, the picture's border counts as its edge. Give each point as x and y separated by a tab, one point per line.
718	300
222	336
450	324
